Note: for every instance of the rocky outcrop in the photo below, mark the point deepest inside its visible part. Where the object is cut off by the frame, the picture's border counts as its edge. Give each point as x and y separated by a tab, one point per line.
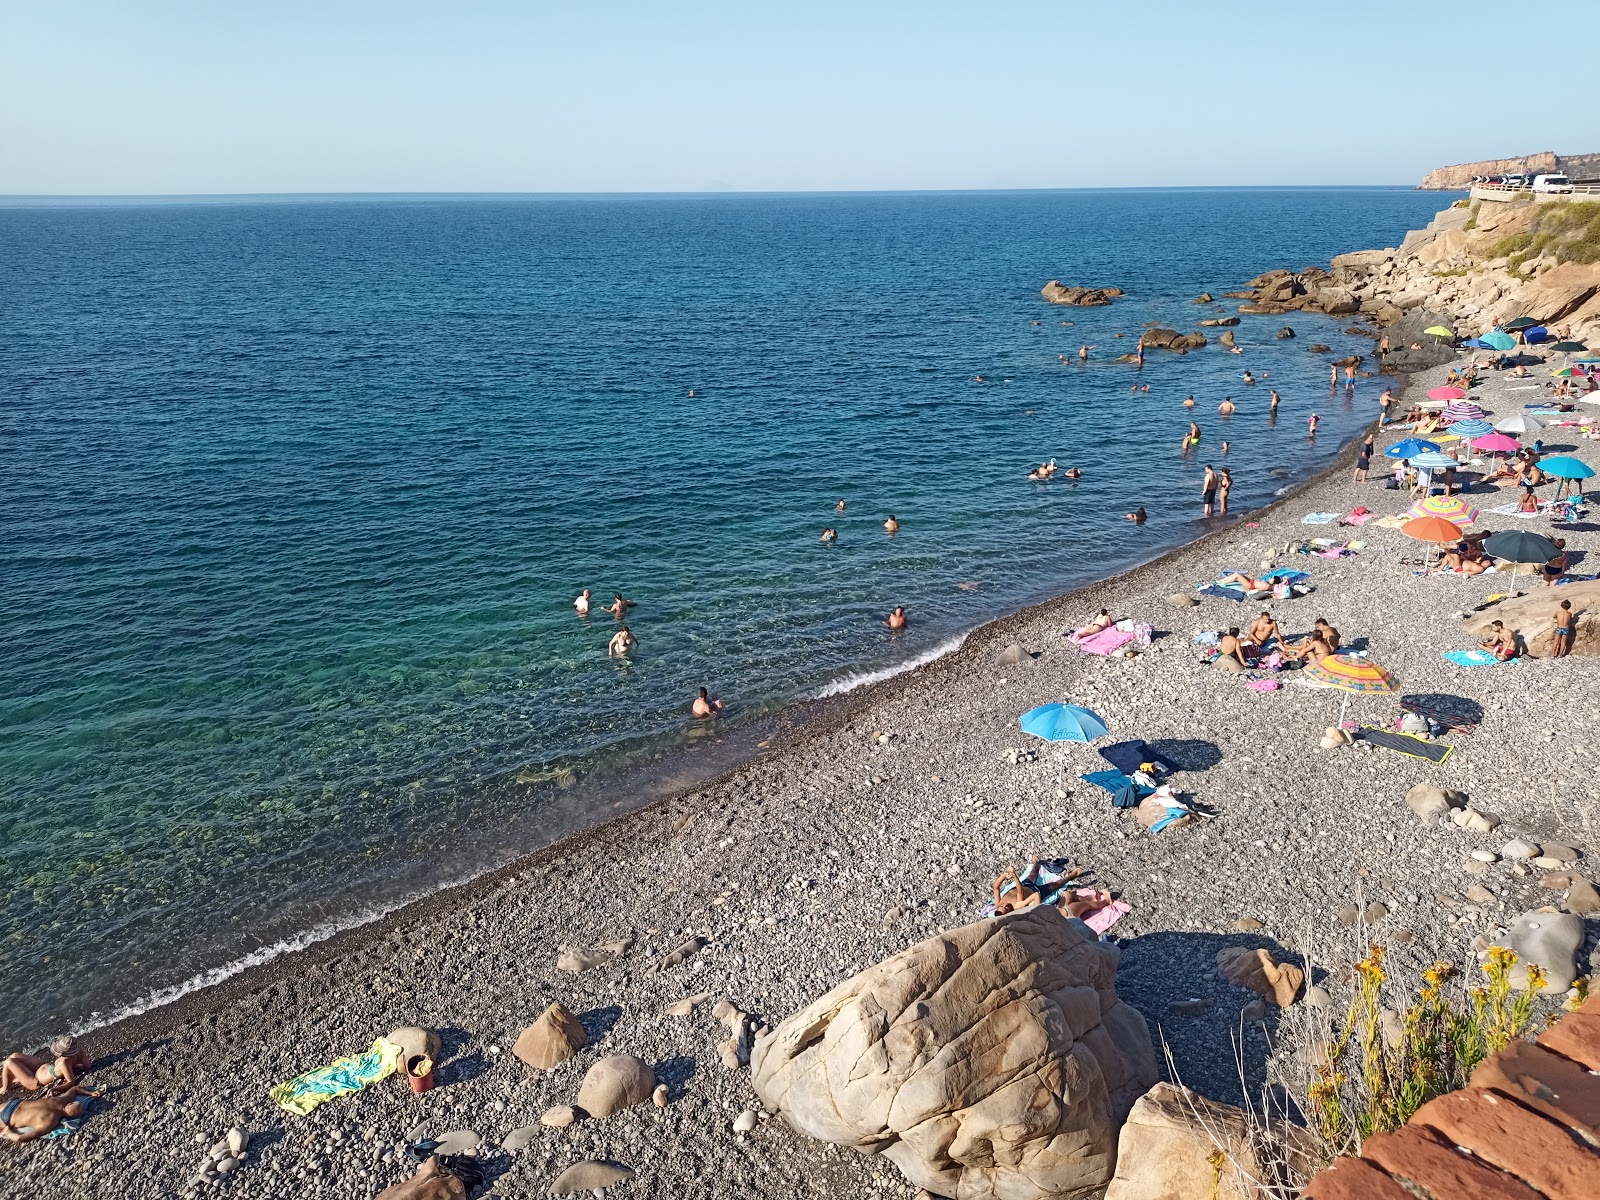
1452	179
1178	1144
1533	616
1159	338
992	1062
1057	292
616	1082
1455	274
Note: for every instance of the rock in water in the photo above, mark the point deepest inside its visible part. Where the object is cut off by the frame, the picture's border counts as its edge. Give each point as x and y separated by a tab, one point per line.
994	1060
590	1175
1548	940
616	1082
1172	1143
555	1037
1261	973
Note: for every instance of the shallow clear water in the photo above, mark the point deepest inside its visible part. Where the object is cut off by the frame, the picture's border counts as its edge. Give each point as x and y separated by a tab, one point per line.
295	496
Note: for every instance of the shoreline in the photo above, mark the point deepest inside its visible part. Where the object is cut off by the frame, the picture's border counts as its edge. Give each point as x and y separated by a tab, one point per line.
801	721
855	836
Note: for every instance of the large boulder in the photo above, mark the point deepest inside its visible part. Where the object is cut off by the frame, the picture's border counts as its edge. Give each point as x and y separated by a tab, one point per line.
1548	940
1160	338
992	1062
1078	297
1179	1145
616	1082
1533	616
1261	973
555	1037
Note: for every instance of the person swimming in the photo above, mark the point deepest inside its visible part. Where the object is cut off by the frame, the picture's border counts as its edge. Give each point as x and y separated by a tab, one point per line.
582	602
1249	378
1071	473
830	534
622	643
1226	407
892	525
618	605
897	618
1137	516
705	706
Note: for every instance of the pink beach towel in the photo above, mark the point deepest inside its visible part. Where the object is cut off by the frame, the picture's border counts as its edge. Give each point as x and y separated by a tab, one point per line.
1102	919
1105	641
1263	685
1359	518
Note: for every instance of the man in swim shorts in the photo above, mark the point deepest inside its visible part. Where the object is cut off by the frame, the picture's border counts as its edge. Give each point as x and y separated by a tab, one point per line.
28	1120
1208	489
892	525
705	706
1566	628
1263	629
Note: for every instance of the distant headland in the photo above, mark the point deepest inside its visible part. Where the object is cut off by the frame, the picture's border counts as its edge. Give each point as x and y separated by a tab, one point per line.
1581	168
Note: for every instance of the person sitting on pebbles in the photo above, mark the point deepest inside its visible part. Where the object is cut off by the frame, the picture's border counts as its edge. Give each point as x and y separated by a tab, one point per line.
1229	646
1099	625
59	1072
1262	630
1309	650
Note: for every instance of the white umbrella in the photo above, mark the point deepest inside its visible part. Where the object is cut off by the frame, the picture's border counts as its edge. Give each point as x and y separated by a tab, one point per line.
1520	423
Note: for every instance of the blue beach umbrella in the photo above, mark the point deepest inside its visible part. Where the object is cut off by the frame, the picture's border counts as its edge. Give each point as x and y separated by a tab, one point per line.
1063	723
1471	429
1564	466
1433	460
1495	340
1410	448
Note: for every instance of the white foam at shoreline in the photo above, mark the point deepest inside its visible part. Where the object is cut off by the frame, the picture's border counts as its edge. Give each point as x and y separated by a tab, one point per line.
210	978
861	679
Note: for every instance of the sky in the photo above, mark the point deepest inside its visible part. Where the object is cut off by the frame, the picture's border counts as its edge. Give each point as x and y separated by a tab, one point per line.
143	97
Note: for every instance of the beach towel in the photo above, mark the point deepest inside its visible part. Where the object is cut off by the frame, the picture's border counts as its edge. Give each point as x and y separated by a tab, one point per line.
1262	685
1216	589
71	1125
1105	641
339	1078
1133	755
1125	793
1102	919
1444	710
1359	518
1319	518
1287	575
1404	743
1474	658
1390	522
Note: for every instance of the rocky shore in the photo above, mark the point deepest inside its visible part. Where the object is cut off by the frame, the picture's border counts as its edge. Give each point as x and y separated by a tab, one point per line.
862	839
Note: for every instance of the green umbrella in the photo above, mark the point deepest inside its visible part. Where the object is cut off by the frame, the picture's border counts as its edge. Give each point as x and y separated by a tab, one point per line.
1564	347
1518	325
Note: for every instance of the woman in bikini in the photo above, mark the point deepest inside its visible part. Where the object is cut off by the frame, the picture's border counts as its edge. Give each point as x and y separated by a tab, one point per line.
58	1072
1028	891
1557	566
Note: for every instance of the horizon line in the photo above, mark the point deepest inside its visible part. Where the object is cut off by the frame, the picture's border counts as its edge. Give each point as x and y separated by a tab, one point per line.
722	192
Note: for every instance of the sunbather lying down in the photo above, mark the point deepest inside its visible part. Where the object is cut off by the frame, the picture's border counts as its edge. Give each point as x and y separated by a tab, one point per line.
1246	582
1038	885
58	1072
24	1120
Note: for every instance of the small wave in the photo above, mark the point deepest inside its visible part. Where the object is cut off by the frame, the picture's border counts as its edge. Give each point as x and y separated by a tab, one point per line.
860	679
1284	490
205	979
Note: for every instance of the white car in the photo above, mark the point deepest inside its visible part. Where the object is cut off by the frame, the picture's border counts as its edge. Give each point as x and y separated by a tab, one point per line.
1513	181
1554	184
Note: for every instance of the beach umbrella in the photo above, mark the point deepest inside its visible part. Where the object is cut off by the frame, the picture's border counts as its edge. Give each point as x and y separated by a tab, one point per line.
1447	393
1564	466
1495	340
1519	324
1433	460
1452	508
1063	723
1462	410
1476	427
1496	443
1410	448
1440	331
1568	347
1562	372
1350	673
1436	530
1520	546
1519	423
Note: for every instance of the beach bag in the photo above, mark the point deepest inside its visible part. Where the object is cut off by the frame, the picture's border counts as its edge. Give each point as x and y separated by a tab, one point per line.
1392	484
1414	724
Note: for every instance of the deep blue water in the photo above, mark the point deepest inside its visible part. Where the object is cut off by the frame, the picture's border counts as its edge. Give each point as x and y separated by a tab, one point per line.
295	495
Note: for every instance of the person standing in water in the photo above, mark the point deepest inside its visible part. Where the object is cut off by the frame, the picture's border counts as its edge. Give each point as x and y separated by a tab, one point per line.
830	534
839	507
1083	354
1223	486
705	706
1311	425
897	618
1276	400
582	602
622	644
892	525
1208	489
1226	407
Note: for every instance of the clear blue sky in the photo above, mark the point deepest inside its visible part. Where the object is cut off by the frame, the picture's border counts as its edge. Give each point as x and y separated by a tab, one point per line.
187	96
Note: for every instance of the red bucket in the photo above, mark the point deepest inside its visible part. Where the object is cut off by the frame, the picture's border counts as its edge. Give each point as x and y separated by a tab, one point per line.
419	1073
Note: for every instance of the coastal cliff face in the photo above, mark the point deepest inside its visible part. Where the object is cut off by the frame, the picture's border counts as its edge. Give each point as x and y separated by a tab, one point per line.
1453	179
1471	268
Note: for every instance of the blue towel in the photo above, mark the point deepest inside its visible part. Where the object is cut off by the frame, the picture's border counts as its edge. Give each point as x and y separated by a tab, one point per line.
1473	658
1319	518
1287	575
1129	756
1217	589
1125	793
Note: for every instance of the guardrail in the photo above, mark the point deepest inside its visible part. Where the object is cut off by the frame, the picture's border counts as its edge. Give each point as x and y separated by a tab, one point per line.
1577	188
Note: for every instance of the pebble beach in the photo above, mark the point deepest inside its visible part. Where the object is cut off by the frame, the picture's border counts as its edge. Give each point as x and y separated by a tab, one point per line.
858	836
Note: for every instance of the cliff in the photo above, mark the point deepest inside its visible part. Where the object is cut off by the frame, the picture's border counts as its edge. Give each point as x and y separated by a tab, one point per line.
1471	268
1581	167
1453	179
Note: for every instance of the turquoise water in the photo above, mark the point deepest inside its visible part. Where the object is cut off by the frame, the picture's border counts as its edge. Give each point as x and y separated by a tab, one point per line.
297	494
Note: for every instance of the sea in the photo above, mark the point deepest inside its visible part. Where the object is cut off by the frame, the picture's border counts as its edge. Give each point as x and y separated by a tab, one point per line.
296	493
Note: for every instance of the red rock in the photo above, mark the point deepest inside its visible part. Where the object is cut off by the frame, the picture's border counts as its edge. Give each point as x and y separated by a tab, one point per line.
1354	1179
1417	1154
1537	1079
1508	1136
1577	1035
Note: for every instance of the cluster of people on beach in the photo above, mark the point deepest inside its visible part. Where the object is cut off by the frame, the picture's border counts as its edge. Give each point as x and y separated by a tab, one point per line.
54	1094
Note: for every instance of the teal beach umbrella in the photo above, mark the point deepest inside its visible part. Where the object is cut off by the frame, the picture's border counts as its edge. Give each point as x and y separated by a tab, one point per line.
1063	723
